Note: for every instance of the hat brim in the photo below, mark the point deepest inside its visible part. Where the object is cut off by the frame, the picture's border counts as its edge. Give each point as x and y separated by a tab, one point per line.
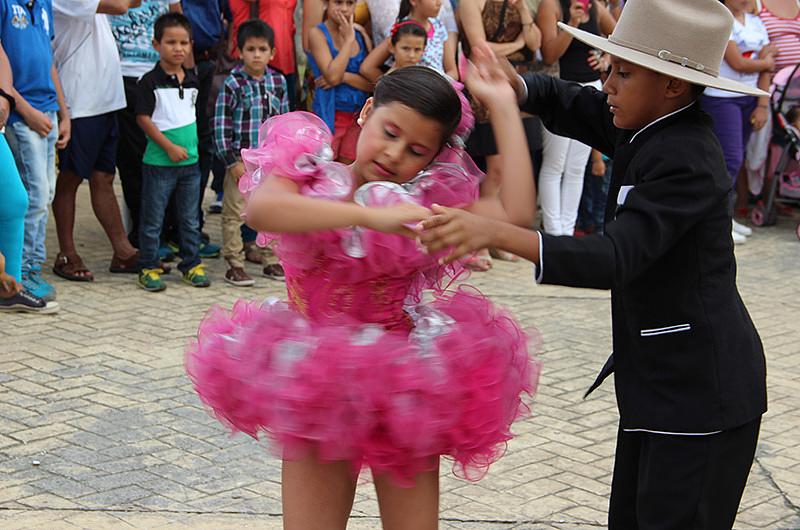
659	65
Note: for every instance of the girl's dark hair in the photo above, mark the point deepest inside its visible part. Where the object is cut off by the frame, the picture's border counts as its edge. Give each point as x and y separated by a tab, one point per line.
424	90
793	114
405	10
408	27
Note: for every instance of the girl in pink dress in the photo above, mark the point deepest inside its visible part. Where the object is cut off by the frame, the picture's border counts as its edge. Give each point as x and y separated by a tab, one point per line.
356	369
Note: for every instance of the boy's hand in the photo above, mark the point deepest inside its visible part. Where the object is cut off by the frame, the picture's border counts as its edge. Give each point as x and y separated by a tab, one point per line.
598	167
38	122
395	219
237	170
8	285
177	153
64	133
456	229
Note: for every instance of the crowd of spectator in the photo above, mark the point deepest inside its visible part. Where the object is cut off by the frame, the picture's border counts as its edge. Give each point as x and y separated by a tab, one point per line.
167	93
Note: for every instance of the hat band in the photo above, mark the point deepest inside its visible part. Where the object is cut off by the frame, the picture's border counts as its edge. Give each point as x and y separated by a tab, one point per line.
666	55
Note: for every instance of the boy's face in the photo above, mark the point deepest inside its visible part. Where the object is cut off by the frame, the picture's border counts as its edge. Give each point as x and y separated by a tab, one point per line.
256	54
636	95
175	45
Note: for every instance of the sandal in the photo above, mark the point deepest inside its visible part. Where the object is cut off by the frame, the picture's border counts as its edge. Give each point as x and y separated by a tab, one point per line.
479	262
72	269
122	266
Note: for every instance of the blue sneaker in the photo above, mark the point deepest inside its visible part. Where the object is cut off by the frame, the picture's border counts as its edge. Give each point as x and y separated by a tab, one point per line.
37	286
209	250
165	253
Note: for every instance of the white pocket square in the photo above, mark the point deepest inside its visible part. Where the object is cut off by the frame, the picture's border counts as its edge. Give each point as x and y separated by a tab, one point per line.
623	194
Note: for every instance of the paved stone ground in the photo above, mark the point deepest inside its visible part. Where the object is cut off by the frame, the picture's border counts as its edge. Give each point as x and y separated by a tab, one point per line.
99	426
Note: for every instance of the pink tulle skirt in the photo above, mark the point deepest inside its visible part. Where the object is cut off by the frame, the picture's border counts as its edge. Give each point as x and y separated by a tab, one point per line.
346	390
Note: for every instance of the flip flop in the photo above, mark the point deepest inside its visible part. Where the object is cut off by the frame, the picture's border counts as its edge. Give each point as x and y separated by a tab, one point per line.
69	270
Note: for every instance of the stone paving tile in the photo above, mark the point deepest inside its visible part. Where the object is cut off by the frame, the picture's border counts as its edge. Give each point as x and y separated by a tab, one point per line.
99	426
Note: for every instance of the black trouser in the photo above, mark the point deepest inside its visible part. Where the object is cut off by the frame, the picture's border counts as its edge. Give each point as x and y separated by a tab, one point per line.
676	482
130	151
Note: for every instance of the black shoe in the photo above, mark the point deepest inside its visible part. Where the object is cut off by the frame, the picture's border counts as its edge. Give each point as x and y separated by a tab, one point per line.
25	302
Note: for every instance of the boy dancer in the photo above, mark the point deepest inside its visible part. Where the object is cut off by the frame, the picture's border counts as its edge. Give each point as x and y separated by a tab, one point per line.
251	94
165	111
688	363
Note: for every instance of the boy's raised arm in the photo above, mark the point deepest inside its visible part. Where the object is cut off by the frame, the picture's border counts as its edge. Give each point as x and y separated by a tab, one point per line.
568	109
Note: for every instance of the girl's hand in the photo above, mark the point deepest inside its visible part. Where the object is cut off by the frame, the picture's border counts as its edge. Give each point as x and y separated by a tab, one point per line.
347	28
321	83
486	78
759	118
395	219
8	285
598	61
456	229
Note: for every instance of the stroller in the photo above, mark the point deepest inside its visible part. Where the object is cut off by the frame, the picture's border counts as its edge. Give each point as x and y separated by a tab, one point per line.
784	186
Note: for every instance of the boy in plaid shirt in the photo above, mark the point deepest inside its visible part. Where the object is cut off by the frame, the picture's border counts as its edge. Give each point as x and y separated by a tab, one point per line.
252	93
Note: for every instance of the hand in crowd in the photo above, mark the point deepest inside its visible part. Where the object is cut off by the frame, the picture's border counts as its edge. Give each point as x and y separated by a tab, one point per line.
599	61
177	153
759	118
578	12
347	27
486	79
598	167
395	219
8	285
456	229
64	132
39	122
5	110
237	170
321	83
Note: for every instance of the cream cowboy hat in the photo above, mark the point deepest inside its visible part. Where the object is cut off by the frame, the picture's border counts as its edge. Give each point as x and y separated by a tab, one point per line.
685	39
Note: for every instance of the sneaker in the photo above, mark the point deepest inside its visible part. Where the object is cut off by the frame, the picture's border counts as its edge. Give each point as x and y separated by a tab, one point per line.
33	282
209	250
274	271
165	253
238	277
150	280
196	276
742	229
738	239
216	204
25	302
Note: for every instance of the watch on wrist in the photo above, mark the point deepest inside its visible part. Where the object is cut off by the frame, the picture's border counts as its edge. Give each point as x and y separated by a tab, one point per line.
11	102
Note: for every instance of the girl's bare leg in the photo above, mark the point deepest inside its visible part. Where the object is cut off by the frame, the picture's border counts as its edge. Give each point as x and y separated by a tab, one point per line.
414	508
316	496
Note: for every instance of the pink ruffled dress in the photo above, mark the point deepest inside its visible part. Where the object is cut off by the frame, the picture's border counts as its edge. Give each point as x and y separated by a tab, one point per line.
356	366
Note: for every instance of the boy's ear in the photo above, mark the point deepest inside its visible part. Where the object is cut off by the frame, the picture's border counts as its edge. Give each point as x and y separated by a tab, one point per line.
366	110
677	88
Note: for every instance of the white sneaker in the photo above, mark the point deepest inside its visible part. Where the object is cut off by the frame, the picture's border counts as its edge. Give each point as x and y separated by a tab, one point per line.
738	239
742	229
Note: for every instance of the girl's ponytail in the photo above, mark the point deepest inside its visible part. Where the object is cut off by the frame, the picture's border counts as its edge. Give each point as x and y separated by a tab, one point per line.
405	10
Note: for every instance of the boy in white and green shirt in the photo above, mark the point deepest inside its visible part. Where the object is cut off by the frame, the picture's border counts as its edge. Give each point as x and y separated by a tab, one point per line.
165	110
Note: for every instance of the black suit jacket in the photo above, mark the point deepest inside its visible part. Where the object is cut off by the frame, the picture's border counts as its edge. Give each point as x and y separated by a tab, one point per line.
687	357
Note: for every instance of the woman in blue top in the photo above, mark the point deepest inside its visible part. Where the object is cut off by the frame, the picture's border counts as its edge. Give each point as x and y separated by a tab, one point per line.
338	47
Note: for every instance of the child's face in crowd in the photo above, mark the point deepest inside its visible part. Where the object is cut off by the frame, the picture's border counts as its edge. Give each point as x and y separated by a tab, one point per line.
427	8
636	95
396	143
341	8
408	50
175	45
256	55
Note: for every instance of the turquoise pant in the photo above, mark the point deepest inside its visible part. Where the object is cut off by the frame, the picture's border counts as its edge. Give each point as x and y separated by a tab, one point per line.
13	207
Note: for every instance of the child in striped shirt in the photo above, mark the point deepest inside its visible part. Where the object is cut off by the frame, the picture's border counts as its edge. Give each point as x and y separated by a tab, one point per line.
252	93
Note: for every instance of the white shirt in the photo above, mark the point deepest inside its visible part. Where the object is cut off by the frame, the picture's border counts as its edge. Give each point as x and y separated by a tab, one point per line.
86	58
750	37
